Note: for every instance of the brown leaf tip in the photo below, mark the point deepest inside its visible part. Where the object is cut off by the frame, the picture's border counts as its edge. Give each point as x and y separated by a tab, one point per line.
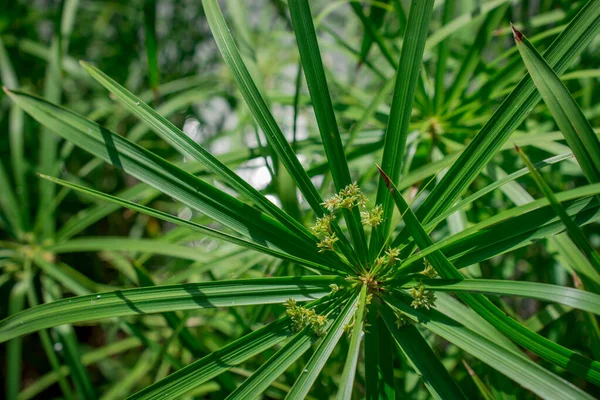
517	148
469	369
386	178
517	33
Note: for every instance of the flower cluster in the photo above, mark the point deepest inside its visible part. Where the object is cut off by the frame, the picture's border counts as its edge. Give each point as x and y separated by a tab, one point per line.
402	319
421	297
348	197
335	287
302	317
429	271
373	217
323	224
327	243
391	257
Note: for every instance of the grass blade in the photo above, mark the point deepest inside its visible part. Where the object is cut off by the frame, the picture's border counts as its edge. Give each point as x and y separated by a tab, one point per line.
443	50
163	175
252	244
397	129
550	351
574	231
416	349
323	107
219	361
323	351
517	367
12	379
151	46
570	297
258	106
509	116
188	147
160	299
347	380
568	116
262	378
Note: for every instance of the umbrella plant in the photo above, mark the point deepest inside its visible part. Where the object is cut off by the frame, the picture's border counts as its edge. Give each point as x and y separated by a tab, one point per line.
368	274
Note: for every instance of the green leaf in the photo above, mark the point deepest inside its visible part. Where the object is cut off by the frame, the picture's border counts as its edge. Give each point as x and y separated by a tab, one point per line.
375	21
443	50
401	109
268	372
164	298
347	379
188	147
470	61
508	116
483	389
416	349
574	298
14	356
550	351
513	228
574	231
257	104
323	107
219	361
163	175
371	25
17	142
47	344
259	109
252	243
253	387
323	351
568	116
126	244
517	367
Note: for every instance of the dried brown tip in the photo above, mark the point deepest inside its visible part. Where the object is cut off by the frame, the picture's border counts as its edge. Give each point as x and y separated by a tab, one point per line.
517	148
385	178
516	33
469	369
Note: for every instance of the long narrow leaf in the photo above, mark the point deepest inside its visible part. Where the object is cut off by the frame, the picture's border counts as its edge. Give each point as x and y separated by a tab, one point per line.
397	129
428	365
330	135
159	299
568	116
556	354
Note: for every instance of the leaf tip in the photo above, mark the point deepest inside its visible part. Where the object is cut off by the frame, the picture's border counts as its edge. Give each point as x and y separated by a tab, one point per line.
517	148
469	369
386	178
86	65
516	33
6	90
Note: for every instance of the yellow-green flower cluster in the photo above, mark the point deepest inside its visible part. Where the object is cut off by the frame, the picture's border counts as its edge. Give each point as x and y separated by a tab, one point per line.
391	257
421	297
323	224
327	243
335	287
429	271
302	317
374	217
348	197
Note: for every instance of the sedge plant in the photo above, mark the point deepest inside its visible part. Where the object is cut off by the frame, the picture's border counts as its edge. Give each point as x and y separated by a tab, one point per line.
368	277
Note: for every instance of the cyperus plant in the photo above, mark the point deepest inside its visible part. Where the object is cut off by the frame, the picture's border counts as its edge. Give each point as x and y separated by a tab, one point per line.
363	274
